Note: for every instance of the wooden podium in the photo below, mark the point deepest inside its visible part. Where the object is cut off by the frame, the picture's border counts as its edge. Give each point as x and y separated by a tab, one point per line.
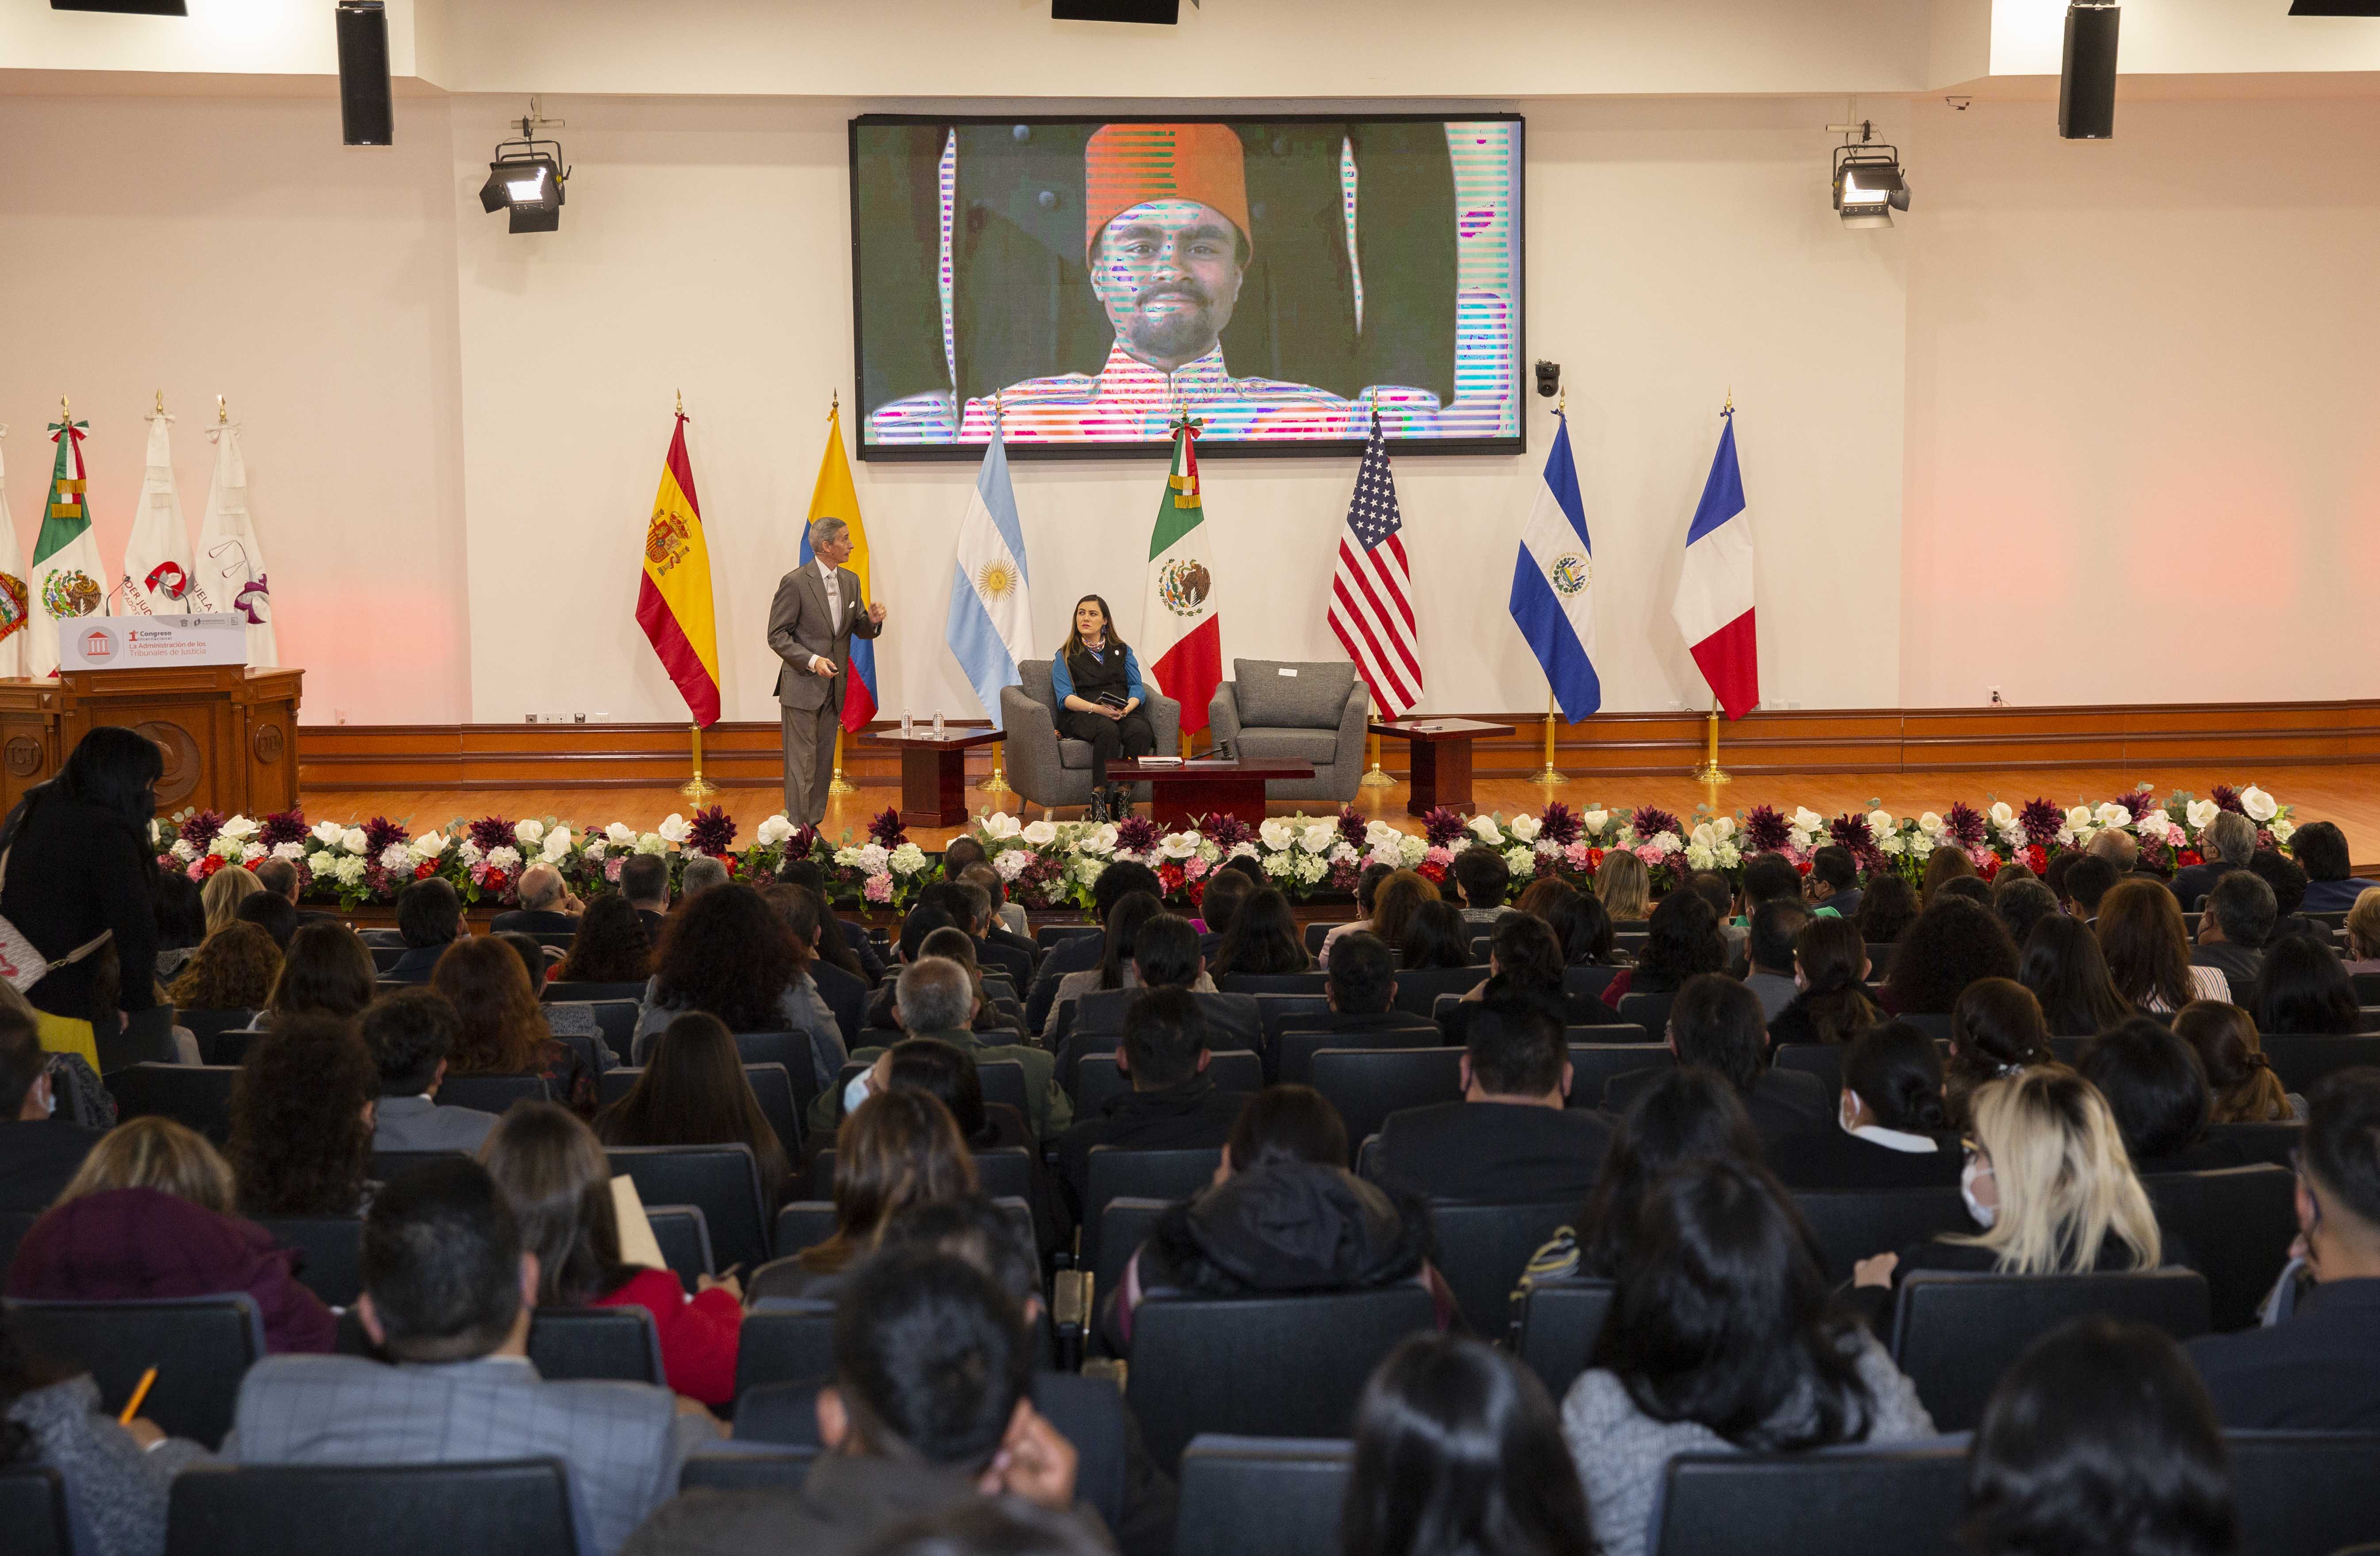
229	734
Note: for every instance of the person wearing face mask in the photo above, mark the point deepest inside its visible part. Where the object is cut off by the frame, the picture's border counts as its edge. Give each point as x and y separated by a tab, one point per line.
39	1152
1893	1130
2048	1185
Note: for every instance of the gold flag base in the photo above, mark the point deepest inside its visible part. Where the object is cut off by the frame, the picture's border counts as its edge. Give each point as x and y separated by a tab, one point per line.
1549	776
838	784
694	787
1376	779
1711	773
996	782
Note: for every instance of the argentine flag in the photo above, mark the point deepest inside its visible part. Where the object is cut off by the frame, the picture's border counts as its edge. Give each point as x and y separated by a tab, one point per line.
1553	584
1713	608
990	623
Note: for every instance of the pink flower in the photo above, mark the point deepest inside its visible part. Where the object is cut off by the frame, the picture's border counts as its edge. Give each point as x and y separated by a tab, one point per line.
1438	857
611	867
198	870
1576	855
1194	868
1648	853
878	889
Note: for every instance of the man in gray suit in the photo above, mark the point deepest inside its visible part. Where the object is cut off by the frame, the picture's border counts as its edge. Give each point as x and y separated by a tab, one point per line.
447	1292
410	1033
816	614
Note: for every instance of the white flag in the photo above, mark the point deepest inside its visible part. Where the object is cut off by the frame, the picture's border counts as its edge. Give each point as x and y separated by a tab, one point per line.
14	602
230	563
156	578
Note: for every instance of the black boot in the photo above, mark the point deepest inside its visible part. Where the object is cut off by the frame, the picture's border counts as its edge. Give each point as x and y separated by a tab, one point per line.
1098	810
1119	802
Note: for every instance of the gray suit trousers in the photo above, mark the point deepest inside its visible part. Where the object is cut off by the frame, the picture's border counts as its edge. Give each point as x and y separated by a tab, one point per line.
810	759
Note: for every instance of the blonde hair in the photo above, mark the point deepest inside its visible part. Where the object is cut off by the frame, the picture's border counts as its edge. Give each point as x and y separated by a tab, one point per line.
156	1153
2065	1181
224	891
1624	885
2363	926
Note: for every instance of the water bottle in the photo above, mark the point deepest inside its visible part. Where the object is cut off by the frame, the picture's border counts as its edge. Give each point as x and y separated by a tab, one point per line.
908	725
937	723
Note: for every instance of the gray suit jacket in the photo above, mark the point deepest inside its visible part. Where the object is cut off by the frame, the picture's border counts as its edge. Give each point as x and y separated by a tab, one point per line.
623	1443
799	625
417	1124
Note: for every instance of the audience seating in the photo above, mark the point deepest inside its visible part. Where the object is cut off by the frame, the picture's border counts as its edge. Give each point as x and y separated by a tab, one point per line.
1587	981
593	993
1954	1332
209	1026
1297	1364
386	957
685	1239
33	1510
785	1341
722	1179
1116	1174
1877	1499
520	1507
2304	1493
1096	1078
1559	1321
801	1223
2236	1223
790	1050
1368	1084
615	1024
579	1343
2273	1143
1252	1496
1649	1011
201	1347
1417	991
1821	1059
196	1095
389	1164
1277	1011
490	1094
1047	936
13	1224
1879	960
768	1082
1594	1064
1483	1249
1124	1224
2303	1060
1271	983
1293	1055
1934	1025
784	1470
1317	931
330	1253
2367	988
1856	1223
1004	1081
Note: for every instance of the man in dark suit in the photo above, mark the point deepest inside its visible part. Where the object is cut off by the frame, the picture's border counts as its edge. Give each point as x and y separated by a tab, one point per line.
1080	953
644	880
970	910
2320	1367
816	612
2233	929
547	907
2228	844
429	918
38	1152
280	877
1715	1022
1511	1138
1171	1104
984	878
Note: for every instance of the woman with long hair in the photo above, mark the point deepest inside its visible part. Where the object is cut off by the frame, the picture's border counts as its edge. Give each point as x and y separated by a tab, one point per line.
223	892
2156	1088
1393	905
1723	1336
694	1093
611	945
2302	988
1682	940
1624	885
1942	867
326	971
2363	933
1458	1452
1097	684
301	1120
1540	897
1115	969
2067	972
1995	1031
1583	926
897	1149
1830	1002
555	1175
1887	906
1953	943
503	1030
2238	1077
235	968
1264	938
727	954
1892	1126
1524	962
1435	936
2141	934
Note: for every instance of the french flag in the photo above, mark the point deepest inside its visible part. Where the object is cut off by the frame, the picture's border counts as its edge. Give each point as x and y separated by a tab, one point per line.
1714	604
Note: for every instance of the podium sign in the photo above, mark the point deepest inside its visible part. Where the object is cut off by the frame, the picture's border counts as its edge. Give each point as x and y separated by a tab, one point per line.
150	643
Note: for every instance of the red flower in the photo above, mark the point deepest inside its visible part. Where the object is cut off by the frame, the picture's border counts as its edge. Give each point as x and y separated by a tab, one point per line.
1197	891
495	881
1433	873
1801	867
209	865
2037	856
1594	859
1990	867
424	870
2189	856
1169	878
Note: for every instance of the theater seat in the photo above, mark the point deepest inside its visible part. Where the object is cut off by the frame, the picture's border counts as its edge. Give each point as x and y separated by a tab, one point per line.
596	1342
1368	1084
785	1342
790	1049
1593	1064
2237	1223
685	1239
1821	1059
13	1224
330	1253
801	1223
1261	1496
201	1347
2302	1061
194	1095
1853	1224
1096	1078
1482	1250
1559	1321
1271	983
782	1470
1124	1224
1294	1051
2271	1143
573	993
1587	981
389	1165
490	1094
2304	1493
1649	1011
210	1025
1417	991
722	1179
33	1510
1955	1333
520	1507
1115	1173
1797	1504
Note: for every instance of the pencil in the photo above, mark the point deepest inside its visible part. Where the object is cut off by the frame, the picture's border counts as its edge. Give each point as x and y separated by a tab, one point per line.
140	1392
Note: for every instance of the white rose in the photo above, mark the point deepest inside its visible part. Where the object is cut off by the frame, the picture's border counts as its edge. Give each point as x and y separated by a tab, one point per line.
775	830
1277	833
239	828
1806	820
2081	818
907	859
429	846
2260	806
348	870
1596	821
2003	814
468	852
291	851
251	851
651	843
354	841
328	833
1798	840
1411	848
393	857
621	835
1040	834
2283	829
183	851
1484	828
1242	851
1881	823
2200	813
1178	845
1379	834
1100	839
1000	826
1317	837
1931	824
1012	864
673	830
557	846
2112	815
530	833
1343	853
1524	828
1669	843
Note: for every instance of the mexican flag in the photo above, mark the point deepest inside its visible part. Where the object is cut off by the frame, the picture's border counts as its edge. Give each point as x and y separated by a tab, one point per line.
1181	631
66	569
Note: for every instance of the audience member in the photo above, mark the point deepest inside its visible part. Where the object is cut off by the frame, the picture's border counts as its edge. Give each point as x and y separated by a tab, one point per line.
1400	896
2147	950
2363	933
2234	927
1458	1452
1942	867
2021	905
223	893
1997	1031
277	877
834	970
694	1092
1367	891
2320	1365
2287	880
1001	1016
838	938
1172	1104
148	1214
1894	1126
1953	943
547	906
896	1150
1165	955
2099	1439
1716	1023
2068	977
302	1111
1833	882
564	1019
1485	881
726	955
555	1177
1437	936
326	971
181	917
948	1074
2157	1091
1681	941
2087	881
502	1028
429	920
1078	953
610	946
934	997
1008	921
1510	1137
2239	1077
698	875
1974	888
1626	886
271	912
448	1289
1362	993
411	1035
1585	930
2301	989
645	882
1264	938
234	969
2227	843
2332	886
2122	852
1831	1002
1768	954
1540	897
1524	962
994	946
1722	1337
1887	906
1119	942
39	1152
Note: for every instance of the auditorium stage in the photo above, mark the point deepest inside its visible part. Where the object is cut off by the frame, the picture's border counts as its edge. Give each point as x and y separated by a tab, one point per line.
2349	795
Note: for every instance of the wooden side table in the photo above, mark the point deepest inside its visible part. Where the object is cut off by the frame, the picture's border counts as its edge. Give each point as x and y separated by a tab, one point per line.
1179	791
1441	758
933	772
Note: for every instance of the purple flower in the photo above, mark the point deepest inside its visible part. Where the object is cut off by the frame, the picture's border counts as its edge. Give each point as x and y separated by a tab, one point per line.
286	826
1225	832
201	828
1136	834
711	832
2041	819
1651	821
1442	827
1964	823
886	830
2140	801
1850	830
1351	827
490	832
2225	798
1560	823
380	833
1766	830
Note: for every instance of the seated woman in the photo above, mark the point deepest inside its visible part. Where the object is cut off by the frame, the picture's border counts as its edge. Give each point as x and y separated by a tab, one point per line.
326	971
1995	1031
1830	1004
2157	1091
947	1073
694	1093
1116	969
2048	1180
149	1214
2147	949
1524	959
302	1111
234	968
899	1148
611	945
554	1173
1435	936
2238	1077
2303	990
1895	1129
569	1019
2067	973
1540	897
1368	881
1624	885
1887	906
1722	1337
2363	933
1263	938
1584	931
1283	1215
1098	689
1457	1453
1682	940
220	898
727	954
1953	943
503	1031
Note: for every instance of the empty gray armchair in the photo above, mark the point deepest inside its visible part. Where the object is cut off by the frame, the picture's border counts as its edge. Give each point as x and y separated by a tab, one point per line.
1050	769
1283	712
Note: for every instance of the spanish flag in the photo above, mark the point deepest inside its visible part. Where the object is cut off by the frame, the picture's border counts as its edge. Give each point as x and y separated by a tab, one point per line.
833	497
674	598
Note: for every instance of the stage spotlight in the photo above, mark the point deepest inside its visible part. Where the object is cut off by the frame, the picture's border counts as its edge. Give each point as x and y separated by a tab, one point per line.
1869	183
526	178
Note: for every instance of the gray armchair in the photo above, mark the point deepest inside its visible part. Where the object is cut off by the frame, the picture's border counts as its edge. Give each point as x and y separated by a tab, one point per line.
1051	769
1286	711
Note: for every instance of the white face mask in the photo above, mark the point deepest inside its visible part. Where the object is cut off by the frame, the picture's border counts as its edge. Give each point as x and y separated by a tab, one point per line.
1985	1214
856	1092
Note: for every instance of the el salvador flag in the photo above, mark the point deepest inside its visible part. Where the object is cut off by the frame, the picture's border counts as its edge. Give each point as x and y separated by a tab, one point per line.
1553	584
1714	604
990	623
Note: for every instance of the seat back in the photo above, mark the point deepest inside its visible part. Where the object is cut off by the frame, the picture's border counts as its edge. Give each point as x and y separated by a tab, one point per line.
1004	1172
1124	1224
1096	1078
1559	1321
2261	1142
1319	932
616	1021
330	1253
1047	936
201	1347
13	1224
1856	1223
2304	1493
582	1343
1482	1249
801	1223
1417	990
194	1095
1116	1174
1271	983
1934	1024
790	1049
1294	1051
1594	1064
685	1239
1587	981
1649	1011
1297	1363
210	1025
1261	1496
1004	1081
33	1510
1368	1084
1790	1504
1273	1010
390	1164
722	1179
490	1094
2301	1062
1954	1333
574	993
520	1507
2237	1223
769	1084
1821	1059
785	1342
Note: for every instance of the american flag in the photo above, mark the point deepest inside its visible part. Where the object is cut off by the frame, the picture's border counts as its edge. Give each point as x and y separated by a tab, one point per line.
1371	589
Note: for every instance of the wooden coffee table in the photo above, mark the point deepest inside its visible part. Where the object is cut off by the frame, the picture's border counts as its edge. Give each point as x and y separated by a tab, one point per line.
933	772
1441	758
1181	791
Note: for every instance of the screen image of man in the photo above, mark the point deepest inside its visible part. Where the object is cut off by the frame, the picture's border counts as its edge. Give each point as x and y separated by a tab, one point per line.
816	612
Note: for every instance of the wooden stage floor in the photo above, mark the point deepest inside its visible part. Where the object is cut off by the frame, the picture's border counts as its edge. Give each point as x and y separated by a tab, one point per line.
2348	795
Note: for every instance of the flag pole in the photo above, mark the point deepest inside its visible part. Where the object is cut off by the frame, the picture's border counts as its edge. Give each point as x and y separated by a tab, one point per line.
694	787
1710	774
1376	779
839	785
1549	776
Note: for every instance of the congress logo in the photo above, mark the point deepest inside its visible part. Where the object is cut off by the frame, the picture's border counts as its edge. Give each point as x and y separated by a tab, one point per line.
1183	584
1570	573
70	591
98	645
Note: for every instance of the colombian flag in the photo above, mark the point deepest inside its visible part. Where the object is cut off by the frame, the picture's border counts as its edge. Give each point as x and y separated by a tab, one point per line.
834	498
674	598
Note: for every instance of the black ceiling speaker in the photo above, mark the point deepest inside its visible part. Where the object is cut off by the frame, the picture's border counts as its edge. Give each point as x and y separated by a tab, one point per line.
2086	84
1160	13
126	8
367	117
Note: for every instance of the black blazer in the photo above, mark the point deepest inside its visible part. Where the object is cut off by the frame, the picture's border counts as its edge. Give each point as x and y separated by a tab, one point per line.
74	872
1834	1158
1002	935
854	936
2319	1369
1782	1103
2192	882
995	956
1497	1152
2239	964
1176	1118
654	923
416	965
534	921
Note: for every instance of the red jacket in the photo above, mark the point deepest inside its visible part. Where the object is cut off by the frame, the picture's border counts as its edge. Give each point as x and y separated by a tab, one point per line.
123	1244
700	1334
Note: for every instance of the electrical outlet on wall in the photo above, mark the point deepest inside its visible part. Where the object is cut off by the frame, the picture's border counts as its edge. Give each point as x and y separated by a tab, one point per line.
1997	700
